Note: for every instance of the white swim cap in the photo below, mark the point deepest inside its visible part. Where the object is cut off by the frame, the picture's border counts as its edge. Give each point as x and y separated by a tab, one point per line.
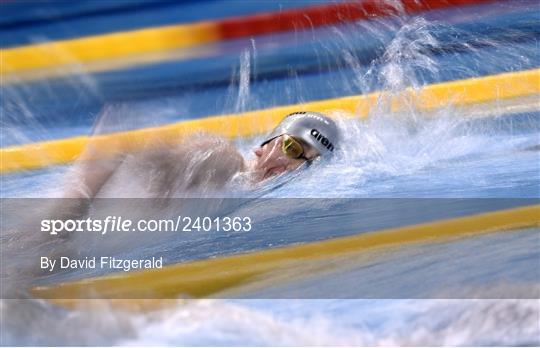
314	128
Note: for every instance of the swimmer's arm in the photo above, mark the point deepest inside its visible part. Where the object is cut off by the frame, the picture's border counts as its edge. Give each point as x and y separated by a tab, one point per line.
88	177
93	168
84	182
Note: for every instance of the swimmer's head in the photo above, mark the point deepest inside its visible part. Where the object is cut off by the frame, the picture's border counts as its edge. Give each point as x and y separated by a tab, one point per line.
299	138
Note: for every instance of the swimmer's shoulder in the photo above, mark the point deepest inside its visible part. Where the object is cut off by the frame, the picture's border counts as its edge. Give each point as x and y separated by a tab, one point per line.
214	152
201	160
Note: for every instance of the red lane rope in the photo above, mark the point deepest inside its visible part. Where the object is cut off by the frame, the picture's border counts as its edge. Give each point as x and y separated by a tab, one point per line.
316	16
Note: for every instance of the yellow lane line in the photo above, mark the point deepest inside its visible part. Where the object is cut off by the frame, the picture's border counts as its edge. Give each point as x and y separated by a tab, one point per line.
209	277
455	93
115	45
24	63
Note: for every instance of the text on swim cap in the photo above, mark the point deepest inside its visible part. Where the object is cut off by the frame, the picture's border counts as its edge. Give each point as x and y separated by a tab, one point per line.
322	139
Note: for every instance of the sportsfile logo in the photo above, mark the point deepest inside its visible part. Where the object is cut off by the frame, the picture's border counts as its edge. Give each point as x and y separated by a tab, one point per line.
121	224
322	139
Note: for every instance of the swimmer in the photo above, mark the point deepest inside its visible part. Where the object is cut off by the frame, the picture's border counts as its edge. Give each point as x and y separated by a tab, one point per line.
207	162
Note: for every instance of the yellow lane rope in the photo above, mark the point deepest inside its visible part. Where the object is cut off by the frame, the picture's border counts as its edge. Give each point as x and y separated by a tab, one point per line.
108	46
455	93
209	277
129	48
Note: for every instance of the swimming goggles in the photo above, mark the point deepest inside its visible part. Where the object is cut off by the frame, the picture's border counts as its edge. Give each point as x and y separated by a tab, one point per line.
292	148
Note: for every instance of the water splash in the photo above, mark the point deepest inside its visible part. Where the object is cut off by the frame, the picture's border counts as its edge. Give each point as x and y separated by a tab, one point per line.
407	56
280	323
242	98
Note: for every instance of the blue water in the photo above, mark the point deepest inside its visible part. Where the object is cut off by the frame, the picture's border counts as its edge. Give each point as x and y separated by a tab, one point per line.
285	68
37	21
453	163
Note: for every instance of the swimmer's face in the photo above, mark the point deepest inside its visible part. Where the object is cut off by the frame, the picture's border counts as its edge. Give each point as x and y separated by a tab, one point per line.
272	161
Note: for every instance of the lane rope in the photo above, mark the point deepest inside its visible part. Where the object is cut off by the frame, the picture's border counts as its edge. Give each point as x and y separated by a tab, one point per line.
459	93
119	45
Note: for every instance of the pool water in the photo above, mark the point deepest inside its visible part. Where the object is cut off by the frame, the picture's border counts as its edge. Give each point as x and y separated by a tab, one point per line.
392	170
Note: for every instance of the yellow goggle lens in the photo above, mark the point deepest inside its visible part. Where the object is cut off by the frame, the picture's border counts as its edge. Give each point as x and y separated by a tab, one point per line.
291	147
